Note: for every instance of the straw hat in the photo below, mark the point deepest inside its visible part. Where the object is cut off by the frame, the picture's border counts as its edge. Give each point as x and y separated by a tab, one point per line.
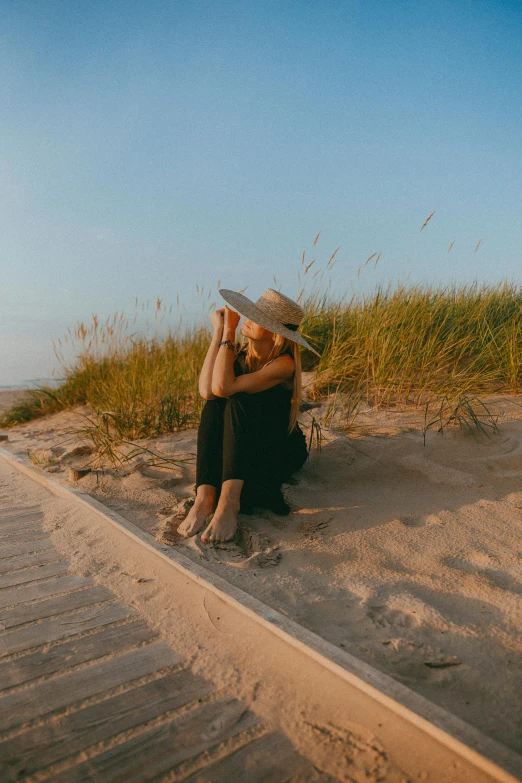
274	311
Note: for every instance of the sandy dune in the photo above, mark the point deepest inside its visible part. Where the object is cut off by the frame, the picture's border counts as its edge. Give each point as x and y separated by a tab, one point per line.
408	556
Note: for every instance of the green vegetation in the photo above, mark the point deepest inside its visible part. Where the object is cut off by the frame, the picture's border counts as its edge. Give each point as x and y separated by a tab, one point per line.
435	348
409	344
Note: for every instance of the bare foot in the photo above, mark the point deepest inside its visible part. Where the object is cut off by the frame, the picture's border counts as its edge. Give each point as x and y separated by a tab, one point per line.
196	518
222	528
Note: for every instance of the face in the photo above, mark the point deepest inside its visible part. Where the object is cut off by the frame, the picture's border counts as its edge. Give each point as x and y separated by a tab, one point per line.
254	331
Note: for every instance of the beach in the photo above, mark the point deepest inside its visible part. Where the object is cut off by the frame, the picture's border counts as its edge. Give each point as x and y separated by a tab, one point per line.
407	555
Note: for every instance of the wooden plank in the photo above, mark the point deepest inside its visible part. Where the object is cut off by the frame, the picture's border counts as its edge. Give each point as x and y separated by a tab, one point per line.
22	510
25	547
31	574
21	519
40	610
57	739
6	509
72	688
214	727
19	639
65	654
26	561
7	529
29	592
357	693
32	533
270	759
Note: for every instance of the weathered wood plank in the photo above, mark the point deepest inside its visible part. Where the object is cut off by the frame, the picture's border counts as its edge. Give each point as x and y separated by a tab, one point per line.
19	639
7	508
54	740
63	655
21	519
26	561
167	746
49	607
22	509
270	759
7	530
14	596
25	547
32	533
31	574
20	706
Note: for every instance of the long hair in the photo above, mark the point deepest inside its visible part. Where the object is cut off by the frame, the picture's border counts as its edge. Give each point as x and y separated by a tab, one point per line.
281	345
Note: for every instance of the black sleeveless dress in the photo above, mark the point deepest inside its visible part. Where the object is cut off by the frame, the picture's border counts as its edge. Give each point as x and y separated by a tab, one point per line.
278	453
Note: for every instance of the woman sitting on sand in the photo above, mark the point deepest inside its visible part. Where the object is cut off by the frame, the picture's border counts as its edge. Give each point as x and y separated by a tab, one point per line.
249	439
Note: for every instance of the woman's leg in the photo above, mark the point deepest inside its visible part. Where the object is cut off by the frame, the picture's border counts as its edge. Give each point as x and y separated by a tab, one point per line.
288	454
238	445
209	456
224	520
209	466
294	454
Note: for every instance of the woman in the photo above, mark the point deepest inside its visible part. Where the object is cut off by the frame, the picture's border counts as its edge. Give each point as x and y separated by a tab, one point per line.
249	440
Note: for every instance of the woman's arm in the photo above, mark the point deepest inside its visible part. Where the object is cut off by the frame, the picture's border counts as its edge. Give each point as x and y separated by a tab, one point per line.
205	377
223	372
224	381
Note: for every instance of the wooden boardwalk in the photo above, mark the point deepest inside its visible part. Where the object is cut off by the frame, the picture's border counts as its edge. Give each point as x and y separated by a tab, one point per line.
88	692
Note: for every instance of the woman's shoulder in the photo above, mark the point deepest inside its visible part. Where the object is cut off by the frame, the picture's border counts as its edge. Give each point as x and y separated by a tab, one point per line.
288	382
285	358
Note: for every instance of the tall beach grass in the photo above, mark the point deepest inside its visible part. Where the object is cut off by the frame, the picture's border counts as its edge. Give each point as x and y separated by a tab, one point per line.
406	345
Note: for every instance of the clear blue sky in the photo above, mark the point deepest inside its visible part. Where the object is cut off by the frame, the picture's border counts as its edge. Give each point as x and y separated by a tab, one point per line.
149	146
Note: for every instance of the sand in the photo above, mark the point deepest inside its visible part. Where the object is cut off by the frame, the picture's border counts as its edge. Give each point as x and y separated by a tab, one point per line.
408	556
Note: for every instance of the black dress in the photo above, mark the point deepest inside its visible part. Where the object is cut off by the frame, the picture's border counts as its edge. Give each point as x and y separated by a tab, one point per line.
245	436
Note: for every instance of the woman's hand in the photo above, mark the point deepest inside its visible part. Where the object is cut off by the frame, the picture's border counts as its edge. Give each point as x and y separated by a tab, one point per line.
231	319
217	319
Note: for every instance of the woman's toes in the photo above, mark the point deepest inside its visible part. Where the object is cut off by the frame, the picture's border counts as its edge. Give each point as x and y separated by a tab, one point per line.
220	530
205	534
192	524
208	536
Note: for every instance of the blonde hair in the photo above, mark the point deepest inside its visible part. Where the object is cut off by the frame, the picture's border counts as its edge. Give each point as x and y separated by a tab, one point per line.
281	345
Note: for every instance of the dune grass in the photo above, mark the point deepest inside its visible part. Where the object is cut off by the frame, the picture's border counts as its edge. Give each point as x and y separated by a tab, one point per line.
406	345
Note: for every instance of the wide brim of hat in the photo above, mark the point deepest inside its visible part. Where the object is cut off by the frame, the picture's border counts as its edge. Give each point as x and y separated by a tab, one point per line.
249	309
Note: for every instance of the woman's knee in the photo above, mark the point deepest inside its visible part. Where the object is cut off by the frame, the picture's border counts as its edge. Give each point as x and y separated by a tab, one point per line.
238	406
216	404
213	409
239	398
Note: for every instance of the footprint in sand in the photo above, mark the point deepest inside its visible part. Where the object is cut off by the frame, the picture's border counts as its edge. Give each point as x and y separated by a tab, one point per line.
416	661
314	529
412	520
384	617
247	550
436	473
167	529
347	752
474	564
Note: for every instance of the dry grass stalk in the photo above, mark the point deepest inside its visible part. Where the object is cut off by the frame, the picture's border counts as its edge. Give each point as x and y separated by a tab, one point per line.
427	219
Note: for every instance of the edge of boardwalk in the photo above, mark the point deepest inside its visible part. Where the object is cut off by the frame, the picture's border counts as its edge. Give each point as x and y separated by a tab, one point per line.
362	688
